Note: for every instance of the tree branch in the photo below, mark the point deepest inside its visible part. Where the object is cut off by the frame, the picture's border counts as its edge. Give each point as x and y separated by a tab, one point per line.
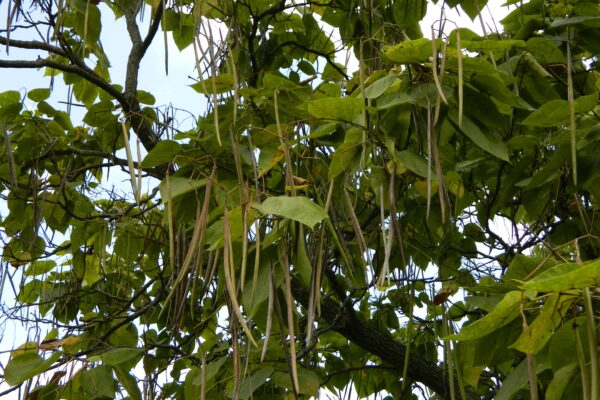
32	44
132	106
84	73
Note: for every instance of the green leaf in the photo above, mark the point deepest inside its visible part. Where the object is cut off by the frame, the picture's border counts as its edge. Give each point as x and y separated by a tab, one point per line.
306	67
223	84
308	381
556	112
491	44
10	104
29	292
472	7
564	277
494	86
542	328
249	385
346	153
98	383
301	259
100	115
38	95
413	162
390	100
163	152
560	381
211	371
129	382
26	366
379	87
514	382
145	97
408	13
336	108
522	266
278	82
574	20
489	141
40	267
301	209
178	186
409	52
506	311
119	355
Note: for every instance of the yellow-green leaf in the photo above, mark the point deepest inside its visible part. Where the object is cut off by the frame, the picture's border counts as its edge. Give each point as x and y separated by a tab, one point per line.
564	277
301	209
542	328
336	108
506	311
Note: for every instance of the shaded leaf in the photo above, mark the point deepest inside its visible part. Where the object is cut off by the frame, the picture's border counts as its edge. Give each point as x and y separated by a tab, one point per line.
556	112
494	86
413	162
98	382
490	141
129	382
249	385
346	153
223	83
308	381
119	355
179	186
40	267
560	380
26	366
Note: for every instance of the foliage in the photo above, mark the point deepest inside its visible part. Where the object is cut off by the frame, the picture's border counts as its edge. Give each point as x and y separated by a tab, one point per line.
316	228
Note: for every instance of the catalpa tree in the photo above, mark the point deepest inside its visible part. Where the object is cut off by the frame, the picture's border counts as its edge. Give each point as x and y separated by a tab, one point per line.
420	226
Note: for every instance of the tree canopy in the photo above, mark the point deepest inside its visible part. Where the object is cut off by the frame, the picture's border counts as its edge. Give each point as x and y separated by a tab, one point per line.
420	227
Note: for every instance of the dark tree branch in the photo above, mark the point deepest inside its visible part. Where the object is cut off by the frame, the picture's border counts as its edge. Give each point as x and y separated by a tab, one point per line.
33	45
131	104
153	28
88	75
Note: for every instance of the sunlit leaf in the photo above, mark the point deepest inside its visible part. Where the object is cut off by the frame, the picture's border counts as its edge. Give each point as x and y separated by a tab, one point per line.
542	328
336	108
409	52
298	208
564	277
505	312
